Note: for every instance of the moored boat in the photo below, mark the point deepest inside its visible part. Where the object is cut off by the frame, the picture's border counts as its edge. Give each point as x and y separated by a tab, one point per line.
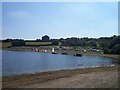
53	51
78	54
64	53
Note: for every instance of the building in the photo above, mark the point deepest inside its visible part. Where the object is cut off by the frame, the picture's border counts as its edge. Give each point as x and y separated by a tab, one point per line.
45	38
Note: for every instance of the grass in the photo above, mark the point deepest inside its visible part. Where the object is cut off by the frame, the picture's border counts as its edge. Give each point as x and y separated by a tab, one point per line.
37	43
5	44
78	51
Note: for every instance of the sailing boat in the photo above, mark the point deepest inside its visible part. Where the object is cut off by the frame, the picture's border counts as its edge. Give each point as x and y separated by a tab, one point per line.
53	51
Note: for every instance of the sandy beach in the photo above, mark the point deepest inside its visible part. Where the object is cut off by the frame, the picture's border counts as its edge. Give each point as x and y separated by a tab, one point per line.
100	77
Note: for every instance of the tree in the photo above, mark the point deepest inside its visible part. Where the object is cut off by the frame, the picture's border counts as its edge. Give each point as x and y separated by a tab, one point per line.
45	38
18	42
115	49
38	40
114	41
7	40
55	42
106	51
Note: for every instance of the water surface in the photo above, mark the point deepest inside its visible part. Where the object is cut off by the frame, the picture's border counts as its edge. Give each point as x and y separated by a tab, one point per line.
19	62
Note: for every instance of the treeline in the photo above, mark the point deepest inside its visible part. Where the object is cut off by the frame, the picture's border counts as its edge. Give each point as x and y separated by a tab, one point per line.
110	45
113	47
15	42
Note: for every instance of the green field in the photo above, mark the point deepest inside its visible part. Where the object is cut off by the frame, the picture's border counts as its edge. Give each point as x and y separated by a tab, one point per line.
37	43
5	44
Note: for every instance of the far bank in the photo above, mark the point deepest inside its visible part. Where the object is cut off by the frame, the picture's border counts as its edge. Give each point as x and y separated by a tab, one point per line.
71	52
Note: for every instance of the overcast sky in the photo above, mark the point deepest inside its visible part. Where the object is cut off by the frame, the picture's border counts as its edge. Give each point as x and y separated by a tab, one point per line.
29	20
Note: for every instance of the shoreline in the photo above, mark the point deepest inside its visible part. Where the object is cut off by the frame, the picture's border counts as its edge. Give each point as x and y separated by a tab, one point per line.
59	70
41	77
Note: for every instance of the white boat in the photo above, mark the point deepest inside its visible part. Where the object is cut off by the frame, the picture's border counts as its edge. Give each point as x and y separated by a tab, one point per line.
53	51
45	50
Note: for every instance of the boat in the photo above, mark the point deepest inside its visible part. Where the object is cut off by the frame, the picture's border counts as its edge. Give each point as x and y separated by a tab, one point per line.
35	50
53	51
64	53
78	54
45	50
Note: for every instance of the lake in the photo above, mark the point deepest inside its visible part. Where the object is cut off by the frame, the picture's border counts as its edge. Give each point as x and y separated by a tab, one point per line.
19	62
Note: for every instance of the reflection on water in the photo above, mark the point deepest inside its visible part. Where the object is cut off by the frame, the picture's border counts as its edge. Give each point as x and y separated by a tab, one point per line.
17	62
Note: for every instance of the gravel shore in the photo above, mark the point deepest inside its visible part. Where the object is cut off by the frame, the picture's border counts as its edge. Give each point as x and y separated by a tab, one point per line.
100	77
89	80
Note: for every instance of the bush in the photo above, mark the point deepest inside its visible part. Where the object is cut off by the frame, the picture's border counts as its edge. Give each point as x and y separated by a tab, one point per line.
106	51
55	42
18	43
115	49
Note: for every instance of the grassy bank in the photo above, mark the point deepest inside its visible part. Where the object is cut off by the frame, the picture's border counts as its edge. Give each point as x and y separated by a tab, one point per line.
37	43
71	52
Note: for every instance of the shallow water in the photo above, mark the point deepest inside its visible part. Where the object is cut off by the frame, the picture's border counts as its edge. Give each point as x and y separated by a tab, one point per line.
17	62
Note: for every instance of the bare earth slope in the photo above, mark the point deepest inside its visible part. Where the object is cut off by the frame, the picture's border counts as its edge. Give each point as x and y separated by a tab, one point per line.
89	80
80	78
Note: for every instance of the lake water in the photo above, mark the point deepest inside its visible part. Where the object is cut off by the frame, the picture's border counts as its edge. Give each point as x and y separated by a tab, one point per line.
19	62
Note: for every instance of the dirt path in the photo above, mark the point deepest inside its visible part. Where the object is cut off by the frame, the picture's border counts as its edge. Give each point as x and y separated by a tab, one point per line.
81	78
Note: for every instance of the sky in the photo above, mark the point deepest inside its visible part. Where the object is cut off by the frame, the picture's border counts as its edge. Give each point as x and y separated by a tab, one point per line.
32	20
